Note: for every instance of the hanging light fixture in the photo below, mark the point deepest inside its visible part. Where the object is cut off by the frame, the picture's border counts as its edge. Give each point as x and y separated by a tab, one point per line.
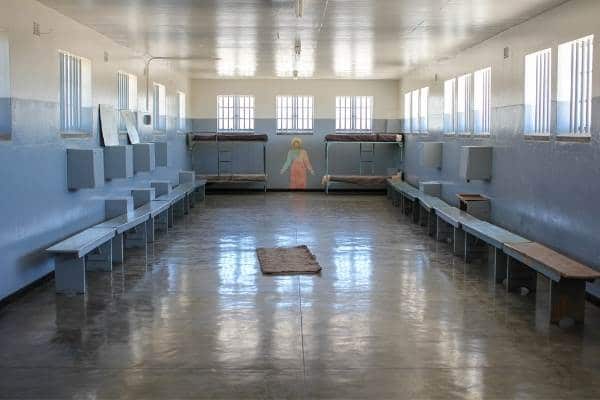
299	8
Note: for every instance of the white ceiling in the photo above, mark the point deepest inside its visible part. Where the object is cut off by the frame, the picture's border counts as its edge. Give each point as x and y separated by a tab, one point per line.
339	38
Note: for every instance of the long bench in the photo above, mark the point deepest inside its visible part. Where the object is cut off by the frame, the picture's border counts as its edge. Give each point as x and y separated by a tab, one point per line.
558	280
90	249
131	231
494	239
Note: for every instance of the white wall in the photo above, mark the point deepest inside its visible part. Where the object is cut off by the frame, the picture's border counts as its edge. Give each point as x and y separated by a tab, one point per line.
204	94
572	20
34	60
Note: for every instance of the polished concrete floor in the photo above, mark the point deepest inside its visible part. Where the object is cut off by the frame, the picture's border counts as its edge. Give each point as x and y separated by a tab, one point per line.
393	315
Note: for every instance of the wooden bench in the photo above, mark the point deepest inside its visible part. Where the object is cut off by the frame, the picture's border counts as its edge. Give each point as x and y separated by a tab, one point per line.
559	281
494	239
90	249
131	231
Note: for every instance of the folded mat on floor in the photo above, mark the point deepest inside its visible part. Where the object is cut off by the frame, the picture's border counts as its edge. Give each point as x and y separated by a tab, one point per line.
229	137
287	260
357	179
234	178
363	137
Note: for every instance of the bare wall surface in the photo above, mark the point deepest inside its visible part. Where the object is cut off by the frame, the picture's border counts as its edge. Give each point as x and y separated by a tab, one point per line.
544	190
36	208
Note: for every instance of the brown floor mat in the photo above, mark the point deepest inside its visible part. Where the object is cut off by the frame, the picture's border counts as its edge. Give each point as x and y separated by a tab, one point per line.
287	260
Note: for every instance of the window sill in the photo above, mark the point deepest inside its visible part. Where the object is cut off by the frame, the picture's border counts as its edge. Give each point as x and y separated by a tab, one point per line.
537	137
574	138
75	135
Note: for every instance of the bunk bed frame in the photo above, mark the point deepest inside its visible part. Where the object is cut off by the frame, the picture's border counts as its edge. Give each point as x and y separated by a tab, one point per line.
367	143
224	164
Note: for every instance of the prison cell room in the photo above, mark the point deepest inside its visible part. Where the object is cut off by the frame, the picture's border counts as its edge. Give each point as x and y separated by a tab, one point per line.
299	199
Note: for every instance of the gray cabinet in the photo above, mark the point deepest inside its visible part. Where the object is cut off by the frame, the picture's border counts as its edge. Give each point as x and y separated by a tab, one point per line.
85	168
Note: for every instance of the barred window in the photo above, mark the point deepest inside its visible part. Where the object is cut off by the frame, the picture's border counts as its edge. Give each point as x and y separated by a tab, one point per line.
159	107
235	113
574	91
127	95
449	105
181	110
75	91
354	113
295	113
538	77
463	104
482	105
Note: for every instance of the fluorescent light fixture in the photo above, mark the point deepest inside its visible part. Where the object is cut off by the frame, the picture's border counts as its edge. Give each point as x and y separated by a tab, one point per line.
299	8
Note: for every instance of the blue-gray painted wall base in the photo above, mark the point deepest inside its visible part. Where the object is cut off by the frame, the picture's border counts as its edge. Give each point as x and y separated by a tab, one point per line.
247	158
547	191
36	208
5	118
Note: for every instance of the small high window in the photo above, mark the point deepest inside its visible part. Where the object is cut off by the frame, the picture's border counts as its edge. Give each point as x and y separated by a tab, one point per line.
482	105
181	110
75	93
449	105
538	77
159	107
574	88
295	113
126	95
235	113
354	113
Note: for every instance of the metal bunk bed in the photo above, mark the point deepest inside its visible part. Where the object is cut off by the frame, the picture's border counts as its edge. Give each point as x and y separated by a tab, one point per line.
224	160
367	143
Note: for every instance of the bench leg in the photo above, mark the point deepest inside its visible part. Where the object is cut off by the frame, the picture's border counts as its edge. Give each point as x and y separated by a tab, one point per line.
138	238
497	264
192	197
187	204
431	223
473	248
117	249
415	207
556	301
69	274
150	230
458	242
162	221
171	216
443	232
101	258
519	275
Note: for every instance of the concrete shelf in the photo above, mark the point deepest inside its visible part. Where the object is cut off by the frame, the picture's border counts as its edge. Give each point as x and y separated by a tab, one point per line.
144	157
476	163
431	156
161	154
118	162
85	168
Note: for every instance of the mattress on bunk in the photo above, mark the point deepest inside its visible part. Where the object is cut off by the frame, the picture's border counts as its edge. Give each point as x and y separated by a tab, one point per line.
232	178
363	137
362	180
202	137
229	137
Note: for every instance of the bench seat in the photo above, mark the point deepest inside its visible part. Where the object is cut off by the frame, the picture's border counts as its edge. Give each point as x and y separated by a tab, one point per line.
454	216
558	280
125	222
90	249
83	242
492	234
154	208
